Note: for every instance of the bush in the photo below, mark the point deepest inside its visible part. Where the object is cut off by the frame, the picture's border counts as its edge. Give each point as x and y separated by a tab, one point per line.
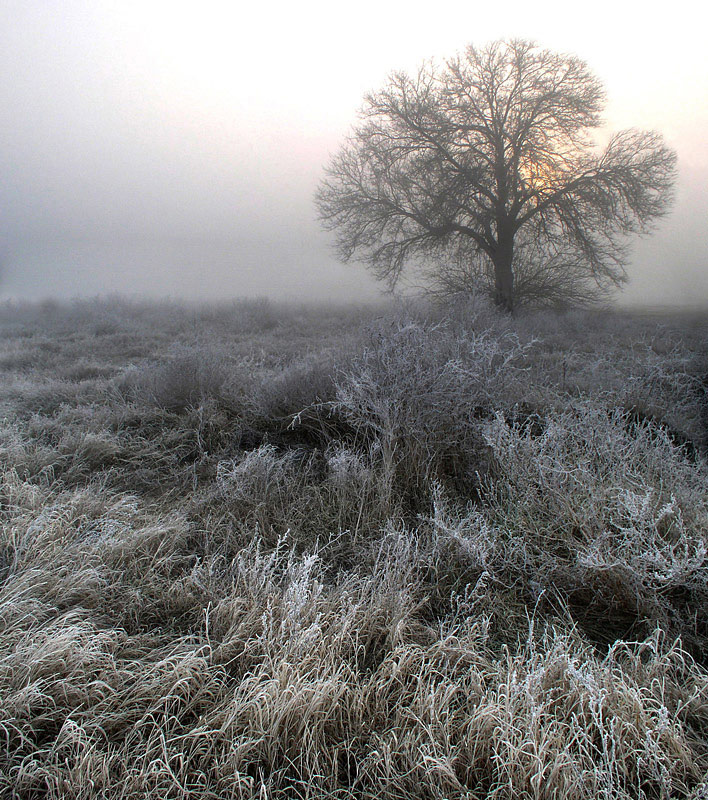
611	514
420	394
187	379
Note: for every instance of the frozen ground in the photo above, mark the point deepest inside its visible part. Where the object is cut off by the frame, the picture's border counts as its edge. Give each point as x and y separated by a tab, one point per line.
412	552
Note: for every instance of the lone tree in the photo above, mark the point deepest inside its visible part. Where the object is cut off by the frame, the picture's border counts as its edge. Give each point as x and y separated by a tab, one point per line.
486	170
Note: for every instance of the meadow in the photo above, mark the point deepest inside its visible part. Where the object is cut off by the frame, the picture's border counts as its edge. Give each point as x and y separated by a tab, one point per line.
410	551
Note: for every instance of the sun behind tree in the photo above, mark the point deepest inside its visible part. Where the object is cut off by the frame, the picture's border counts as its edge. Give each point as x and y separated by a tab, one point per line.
484	173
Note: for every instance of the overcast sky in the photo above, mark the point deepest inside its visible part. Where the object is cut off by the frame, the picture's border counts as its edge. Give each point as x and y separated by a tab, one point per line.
173	148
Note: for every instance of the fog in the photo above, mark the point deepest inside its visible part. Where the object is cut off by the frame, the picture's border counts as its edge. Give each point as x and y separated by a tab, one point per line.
172	149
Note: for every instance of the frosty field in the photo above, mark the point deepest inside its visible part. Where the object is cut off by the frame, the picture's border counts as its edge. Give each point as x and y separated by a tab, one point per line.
253	551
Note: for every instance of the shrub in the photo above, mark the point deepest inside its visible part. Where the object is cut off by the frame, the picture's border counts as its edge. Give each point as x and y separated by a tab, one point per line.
308	382
188	378
613	515
420	393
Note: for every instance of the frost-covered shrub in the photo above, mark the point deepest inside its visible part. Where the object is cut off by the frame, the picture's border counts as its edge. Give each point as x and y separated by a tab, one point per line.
667	383
603	509
259	474
312	494
189	377
419	394
347	468
307	382
572	473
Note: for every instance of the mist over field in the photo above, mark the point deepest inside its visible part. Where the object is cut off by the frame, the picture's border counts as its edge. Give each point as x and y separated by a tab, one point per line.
668	268
167	150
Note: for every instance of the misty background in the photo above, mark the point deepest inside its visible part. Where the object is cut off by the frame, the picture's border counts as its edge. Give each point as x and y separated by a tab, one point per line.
172	149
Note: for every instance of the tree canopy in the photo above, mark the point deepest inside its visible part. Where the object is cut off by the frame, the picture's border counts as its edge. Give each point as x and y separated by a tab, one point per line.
484	172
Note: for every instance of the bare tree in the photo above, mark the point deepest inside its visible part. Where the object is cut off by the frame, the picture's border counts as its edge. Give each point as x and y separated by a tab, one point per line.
485	171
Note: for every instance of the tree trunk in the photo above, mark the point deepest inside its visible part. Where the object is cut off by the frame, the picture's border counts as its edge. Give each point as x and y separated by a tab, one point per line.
504	276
